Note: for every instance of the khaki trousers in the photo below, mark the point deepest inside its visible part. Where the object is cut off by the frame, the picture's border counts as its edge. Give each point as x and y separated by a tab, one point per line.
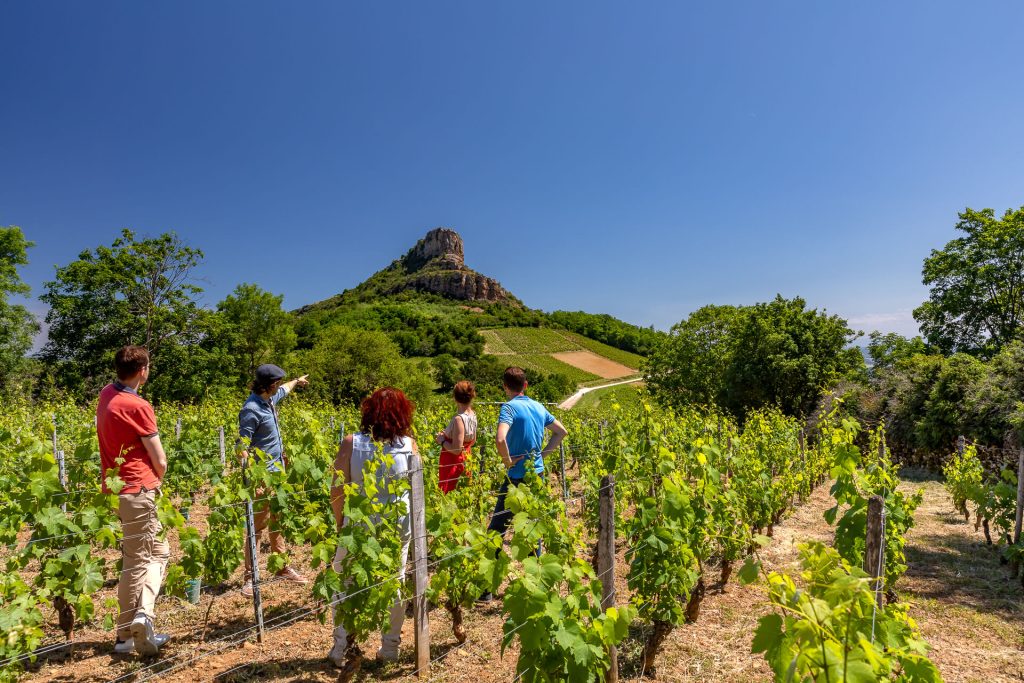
262	519
143	558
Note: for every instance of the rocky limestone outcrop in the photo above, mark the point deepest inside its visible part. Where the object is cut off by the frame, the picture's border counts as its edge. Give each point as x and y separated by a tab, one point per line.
437	265
464	285
441	248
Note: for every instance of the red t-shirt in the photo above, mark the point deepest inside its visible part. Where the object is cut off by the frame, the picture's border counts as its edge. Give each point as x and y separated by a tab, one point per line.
122	419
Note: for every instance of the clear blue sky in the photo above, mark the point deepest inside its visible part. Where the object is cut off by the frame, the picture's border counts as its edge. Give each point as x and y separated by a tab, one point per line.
640	159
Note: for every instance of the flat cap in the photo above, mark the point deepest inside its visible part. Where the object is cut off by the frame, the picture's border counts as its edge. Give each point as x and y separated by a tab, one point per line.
269	373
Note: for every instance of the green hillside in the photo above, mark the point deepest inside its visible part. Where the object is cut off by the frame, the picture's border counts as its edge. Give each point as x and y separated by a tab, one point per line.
519	341
433	307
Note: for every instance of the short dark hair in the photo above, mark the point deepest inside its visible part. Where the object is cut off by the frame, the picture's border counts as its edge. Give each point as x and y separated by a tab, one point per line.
464	391
514	378
129	361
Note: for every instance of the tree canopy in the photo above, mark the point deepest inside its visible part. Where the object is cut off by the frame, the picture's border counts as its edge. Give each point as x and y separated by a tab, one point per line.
976	298
255	329
17	325
741	358
347	364
889	348
136	291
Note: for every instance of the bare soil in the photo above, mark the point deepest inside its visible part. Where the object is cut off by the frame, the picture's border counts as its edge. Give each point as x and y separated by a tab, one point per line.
594	364
965	603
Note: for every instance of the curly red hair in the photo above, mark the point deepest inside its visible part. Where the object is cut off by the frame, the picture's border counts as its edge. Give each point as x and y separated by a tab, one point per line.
387	414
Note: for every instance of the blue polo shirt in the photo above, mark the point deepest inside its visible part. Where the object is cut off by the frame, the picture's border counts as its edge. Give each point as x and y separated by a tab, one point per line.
257	422
526	419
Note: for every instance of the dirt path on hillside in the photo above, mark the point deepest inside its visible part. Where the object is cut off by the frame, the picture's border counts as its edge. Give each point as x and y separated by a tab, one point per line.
965	604
575	398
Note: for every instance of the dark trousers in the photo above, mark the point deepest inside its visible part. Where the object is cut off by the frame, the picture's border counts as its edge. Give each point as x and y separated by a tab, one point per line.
501	517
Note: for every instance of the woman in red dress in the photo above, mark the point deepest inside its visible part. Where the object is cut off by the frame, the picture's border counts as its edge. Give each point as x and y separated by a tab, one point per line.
457	438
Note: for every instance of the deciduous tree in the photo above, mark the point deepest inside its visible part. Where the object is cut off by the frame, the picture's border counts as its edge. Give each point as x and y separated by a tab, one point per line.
345	365
741	358
255	328
17	326
136	291
976	302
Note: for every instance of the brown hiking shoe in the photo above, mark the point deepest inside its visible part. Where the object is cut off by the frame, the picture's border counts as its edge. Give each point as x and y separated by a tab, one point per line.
289	574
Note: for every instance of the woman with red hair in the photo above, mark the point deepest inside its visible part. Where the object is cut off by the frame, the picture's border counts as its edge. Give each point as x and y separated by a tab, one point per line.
385	430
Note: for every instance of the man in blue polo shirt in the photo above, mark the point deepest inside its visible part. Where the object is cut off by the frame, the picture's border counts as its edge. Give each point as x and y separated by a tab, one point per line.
520	441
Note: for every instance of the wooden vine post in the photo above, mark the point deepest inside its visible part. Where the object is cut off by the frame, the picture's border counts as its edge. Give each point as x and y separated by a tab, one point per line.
254	561
606	561
419	560
1020	505
875	546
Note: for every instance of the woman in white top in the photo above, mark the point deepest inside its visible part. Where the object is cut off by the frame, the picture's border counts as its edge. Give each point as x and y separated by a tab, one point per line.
385	429
457	438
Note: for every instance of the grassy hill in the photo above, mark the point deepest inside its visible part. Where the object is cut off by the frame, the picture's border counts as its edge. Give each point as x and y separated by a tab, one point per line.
434	307
554	351
626	395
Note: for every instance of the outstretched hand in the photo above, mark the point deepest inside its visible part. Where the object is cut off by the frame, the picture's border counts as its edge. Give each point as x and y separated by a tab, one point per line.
302	381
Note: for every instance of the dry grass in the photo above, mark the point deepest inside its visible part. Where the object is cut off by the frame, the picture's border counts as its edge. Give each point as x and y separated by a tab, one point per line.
965	602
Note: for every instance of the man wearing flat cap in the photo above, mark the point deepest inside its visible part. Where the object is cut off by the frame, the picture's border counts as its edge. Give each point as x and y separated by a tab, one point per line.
258	427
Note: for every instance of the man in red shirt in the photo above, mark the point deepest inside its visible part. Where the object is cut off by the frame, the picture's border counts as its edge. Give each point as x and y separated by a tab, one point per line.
130	451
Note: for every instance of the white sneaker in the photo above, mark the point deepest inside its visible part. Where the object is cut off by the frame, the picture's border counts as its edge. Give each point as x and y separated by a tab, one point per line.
123	647
337	653
387	653
146	642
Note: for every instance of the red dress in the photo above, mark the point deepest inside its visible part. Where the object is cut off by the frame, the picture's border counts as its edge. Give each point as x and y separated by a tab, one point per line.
452	466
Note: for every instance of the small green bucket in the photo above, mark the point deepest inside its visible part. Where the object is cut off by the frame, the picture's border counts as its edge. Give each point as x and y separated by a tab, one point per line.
193	587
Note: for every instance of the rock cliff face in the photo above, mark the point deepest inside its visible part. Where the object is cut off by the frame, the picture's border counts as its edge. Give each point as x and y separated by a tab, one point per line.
442	245
464	285
437	265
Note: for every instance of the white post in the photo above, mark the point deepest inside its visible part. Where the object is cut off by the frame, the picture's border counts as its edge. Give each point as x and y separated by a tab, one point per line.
223	452
1020	498
62	474
565	484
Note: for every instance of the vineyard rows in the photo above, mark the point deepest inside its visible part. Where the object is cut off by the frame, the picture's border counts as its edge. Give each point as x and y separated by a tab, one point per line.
691	497
997	496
